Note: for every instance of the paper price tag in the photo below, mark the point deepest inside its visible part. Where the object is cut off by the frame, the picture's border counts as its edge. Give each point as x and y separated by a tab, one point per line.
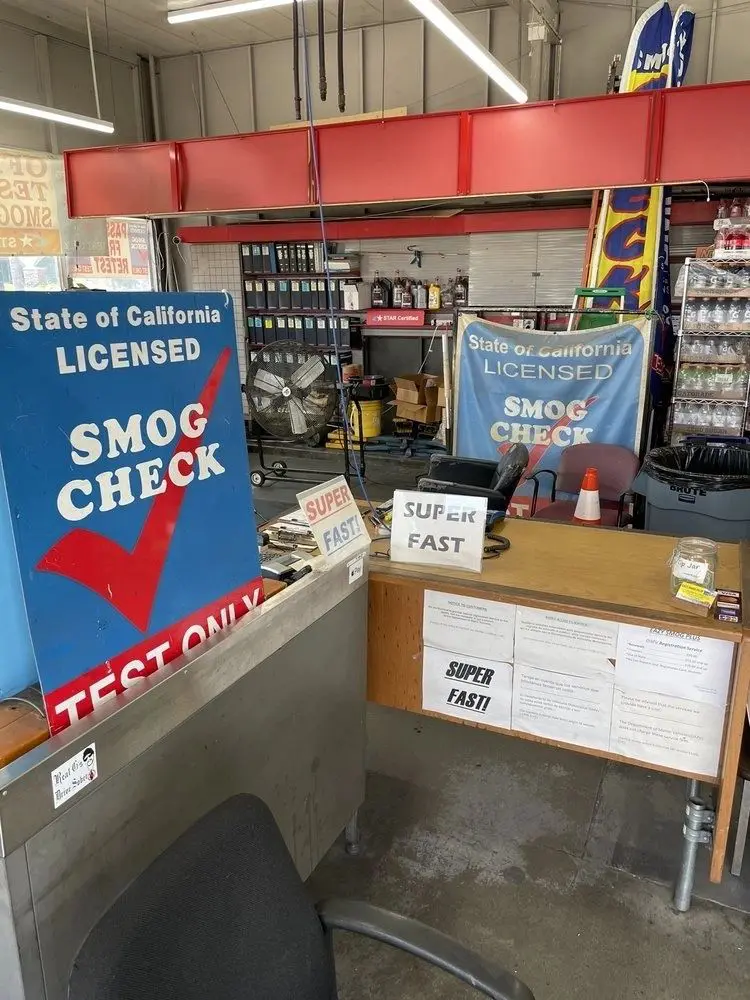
356	568
694	570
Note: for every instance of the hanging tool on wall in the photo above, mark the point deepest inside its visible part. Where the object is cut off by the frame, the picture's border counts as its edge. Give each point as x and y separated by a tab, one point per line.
340	55
295	61
322	49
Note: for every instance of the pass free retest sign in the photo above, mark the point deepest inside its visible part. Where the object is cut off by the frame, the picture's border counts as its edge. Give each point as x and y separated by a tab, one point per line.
438	529
127	484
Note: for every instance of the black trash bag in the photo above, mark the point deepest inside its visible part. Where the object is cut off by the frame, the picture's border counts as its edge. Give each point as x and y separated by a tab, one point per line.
700	467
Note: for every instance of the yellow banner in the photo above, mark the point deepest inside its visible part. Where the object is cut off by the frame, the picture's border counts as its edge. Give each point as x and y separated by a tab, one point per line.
29	224
630	221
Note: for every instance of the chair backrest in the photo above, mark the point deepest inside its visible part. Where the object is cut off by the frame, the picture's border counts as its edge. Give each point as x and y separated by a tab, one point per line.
617	468
221	914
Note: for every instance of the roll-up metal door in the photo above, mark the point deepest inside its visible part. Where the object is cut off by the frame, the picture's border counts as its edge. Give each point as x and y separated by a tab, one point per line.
502	269
559	266
684	240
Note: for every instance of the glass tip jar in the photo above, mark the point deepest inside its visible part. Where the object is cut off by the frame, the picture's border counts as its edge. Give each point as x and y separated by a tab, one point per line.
694	561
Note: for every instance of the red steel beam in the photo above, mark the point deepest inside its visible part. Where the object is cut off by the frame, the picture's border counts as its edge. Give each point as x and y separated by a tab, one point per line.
408	226
574	145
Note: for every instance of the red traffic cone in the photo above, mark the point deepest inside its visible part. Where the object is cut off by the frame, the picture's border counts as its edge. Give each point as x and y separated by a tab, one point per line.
587	509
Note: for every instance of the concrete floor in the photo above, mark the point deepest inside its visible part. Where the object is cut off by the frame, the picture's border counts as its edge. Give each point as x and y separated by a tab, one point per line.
555	864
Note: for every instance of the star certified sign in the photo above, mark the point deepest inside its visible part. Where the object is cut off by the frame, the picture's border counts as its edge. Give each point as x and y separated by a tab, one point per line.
122	442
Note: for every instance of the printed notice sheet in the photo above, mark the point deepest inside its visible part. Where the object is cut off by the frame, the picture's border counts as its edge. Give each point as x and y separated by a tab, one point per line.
566	643
468	625
674	663
562	707
667	732
467	687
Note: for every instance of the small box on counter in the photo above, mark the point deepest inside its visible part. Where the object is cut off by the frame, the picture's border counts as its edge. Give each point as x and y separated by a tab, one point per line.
694	599
419	397
728	607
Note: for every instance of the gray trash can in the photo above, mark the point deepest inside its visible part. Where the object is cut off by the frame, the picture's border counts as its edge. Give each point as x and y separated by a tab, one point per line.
697	489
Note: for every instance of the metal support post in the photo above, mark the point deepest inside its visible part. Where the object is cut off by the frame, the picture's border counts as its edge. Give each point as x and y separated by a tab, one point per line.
696	830
352	835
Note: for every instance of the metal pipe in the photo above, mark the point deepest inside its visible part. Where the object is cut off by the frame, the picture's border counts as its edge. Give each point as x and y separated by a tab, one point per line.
711	43
695	833
322	49
93	66
447	381
201	92
295	62
154	95
340	56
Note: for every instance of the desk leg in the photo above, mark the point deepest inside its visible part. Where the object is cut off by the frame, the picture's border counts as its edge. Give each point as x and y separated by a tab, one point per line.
352	835
730	760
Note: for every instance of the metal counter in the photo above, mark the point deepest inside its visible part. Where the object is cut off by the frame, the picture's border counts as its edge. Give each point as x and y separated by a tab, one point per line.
275	707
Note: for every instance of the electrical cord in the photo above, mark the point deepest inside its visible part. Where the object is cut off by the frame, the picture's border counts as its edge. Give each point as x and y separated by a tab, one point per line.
499	544
24	701
327	271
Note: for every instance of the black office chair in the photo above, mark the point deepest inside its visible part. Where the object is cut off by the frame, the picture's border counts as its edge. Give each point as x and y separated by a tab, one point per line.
476	477
223	915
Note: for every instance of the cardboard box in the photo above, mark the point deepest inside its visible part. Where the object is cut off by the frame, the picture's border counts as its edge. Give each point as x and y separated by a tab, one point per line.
419	397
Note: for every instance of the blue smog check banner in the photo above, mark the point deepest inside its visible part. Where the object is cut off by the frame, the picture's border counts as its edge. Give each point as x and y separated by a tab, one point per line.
548	391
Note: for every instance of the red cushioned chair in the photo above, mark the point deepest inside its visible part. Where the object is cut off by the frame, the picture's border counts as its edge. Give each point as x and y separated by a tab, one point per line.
617	469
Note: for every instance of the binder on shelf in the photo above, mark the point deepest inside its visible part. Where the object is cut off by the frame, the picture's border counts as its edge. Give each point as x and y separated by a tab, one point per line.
322	331
344	330
260	294
310	258
247	260
309	330
318	257
293	265
282	328
250	294
269	329
306	293
295	293
257	329
272	294
285	295
297	332
256	258
268	253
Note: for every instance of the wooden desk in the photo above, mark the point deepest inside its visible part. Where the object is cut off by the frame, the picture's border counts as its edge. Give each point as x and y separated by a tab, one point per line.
617	575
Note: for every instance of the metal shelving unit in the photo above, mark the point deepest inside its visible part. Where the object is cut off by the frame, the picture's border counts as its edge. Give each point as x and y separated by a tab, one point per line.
712	365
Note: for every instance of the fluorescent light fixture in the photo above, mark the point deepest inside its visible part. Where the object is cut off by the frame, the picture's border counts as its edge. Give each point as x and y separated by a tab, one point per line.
209	10
455	32
54	115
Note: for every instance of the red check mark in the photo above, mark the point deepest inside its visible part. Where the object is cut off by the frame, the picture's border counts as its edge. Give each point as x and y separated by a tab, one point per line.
538	452
129	580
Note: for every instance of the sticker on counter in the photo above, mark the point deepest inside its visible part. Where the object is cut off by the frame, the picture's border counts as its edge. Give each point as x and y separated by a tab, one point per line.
69	778
356	568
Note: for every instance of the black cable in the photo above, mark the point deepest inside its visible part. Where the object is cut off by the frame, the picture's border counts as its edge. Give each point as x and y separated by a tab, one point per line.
322	49
499	544
340	55
295	61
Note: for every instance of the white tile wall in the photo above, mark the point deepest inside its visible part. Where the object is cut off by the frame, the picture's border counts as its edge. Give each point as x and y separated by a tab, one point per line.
215	267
